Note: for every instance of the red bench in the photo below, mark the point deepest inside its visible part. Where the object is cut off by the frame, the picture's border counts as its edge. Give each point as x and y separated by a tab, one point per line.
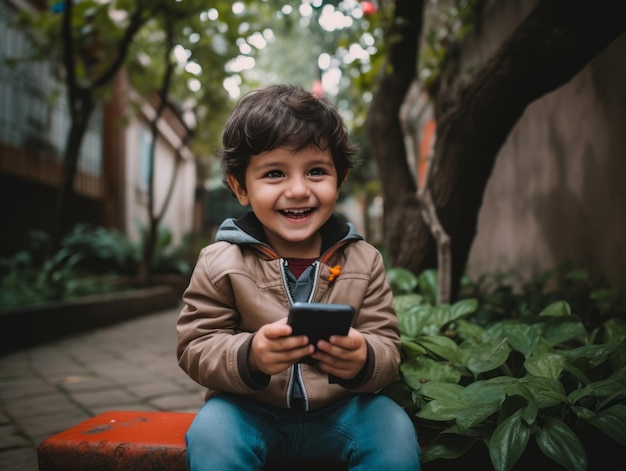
119	440
129	441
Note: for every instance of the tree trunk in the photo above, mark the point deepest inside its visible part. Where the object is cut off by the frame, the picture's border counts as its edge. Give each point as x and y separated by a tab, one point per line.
385	132
81	102
146	263
476	114
79	123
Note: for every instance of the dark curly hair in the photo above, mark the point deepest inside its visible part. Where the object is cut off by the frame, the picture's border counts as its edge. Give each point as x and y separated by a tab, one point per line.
283	116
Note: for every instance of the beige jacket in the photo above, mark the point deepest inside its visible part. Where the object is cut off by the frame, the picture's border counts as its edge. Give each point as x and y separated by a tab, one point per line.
235	289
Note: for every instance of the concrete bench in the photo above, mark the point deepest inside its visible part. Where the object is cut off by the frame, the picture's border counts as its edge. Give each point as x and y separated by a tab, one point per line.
130	441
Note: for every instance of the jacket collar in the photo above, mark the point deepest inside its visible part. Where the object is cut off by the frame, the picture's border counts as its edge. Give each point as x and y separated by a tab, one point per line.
249	230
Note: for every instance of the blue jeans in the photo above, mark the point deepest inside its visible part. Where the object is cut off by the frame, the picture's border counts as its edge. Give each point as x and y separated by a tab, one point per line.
368	432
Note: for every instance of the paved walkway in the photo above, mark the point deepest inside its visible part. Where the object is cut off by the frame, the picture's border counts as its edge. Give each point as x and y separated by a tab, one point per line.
54	386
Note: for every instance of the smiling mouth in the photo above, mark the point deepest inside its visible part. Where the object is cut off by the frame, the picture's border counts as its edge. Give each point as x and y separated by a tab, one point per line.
296	213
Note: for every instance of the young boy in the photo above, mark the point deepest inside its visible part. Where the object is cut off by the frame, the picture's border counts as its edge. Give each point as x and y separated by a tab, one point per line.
286	154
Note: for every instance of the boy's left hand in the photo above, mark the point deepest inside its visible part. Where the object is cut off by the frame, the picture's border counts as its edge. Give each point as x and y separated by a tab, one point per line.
342	356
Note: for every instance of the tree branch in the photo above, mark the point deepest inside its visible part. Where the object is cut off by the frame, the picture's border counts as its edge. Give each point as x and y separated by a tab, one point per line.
137	19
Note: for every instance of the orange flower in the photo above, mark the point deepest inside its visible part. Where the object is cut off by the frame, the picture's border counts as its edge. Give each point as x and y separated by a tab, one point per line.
334	272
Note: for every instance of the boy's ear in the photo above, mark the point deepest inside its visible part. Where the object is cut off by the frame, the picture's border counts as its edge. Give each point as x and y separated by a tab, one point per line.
240	191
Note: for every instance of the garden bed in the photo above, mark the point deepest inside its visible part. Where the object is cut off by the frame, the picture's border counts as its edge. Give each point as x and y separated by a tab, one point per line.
30	325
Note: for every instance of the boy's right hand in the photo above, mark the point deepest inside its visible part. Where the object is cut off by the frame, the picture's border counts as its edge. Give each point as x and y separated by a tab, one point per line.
273	349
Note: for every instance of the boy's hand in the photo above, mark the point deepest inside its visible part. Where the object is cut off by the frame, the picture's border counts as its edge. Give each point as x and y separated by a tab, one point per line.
342	356
274	350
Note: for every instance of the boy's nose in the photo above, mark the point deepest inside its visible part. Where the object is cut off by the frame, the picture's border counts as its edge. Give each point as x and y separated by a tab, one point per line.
298	188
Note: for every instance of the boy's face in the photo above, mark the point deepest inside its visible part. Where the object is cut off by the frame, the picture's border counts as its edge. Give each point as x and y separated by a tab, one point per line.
293	194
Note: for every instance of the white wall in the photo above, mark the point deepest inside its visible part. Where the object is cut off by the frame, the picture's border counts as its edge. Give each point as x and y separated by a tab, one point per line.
179	214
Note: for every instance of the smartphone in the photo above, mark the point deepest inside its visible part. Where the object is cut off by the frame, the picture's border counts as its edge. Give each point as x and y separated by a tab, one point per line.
318	321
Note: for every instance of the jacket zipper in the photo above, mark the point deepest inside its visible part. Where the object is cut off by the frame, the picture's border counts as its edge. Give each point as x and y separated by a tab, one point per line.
283	265
296	369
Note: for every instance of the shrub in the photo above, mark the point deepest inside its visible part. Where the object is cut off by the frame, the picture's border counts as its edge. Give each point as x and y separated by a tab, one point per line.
21	281
503	368
91	260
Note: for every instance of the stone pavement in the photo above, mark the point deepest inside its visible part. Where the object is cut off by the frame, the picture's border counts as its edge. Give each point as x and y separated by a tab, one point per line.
54	386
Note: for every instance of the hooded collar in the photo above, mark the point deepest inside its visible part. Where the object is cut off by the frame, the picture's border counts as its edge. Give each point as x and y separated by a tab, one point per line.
248	230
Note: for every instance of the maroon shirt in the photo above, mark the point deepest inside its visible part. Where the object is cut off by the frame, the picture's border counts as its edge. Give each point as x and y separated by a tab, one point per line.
298	265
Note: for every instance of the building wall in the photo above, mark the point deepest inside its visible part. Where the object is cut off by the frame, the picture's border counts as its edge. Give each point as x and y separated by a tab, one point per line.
558	189
179	214
33	130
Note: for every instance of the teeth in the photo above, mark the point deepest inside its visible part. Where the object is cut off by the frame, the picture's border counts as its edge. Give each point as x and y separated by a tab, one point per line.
296	211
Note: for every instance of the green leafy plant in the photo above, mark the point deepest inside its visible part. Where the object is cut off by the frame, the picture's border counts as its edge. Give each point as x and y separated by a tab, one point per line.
471	374
92	260
167	257
21	282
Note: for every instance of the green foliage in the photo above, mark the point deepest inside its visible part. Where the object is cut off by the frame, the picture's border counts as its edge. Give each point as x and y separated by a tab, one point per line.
91	260
98	249
167	258
507	367
506	296
446	26
21	281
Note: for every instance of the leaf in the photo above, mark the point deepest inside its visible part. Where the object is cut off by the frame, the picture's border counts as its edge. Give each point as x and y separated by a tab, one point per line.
441	410
587	356
618	356
411	348
546	365
608	296
415	317
563	329
440	316
612	422
612	387
485	356
462	308
546	392
490	388
508	442
561	444
583	412
576	372
441	346
615	328
412	314
542	348
557	309
469	331
578	274
482	399
422	370
428	283
416	320
441	390
447	446
521	337
401	280
474	415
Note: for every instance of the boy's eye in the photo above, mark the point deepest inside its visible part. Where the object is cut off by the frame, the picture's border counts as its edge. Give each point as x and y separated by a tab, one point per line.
317	172
274	174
